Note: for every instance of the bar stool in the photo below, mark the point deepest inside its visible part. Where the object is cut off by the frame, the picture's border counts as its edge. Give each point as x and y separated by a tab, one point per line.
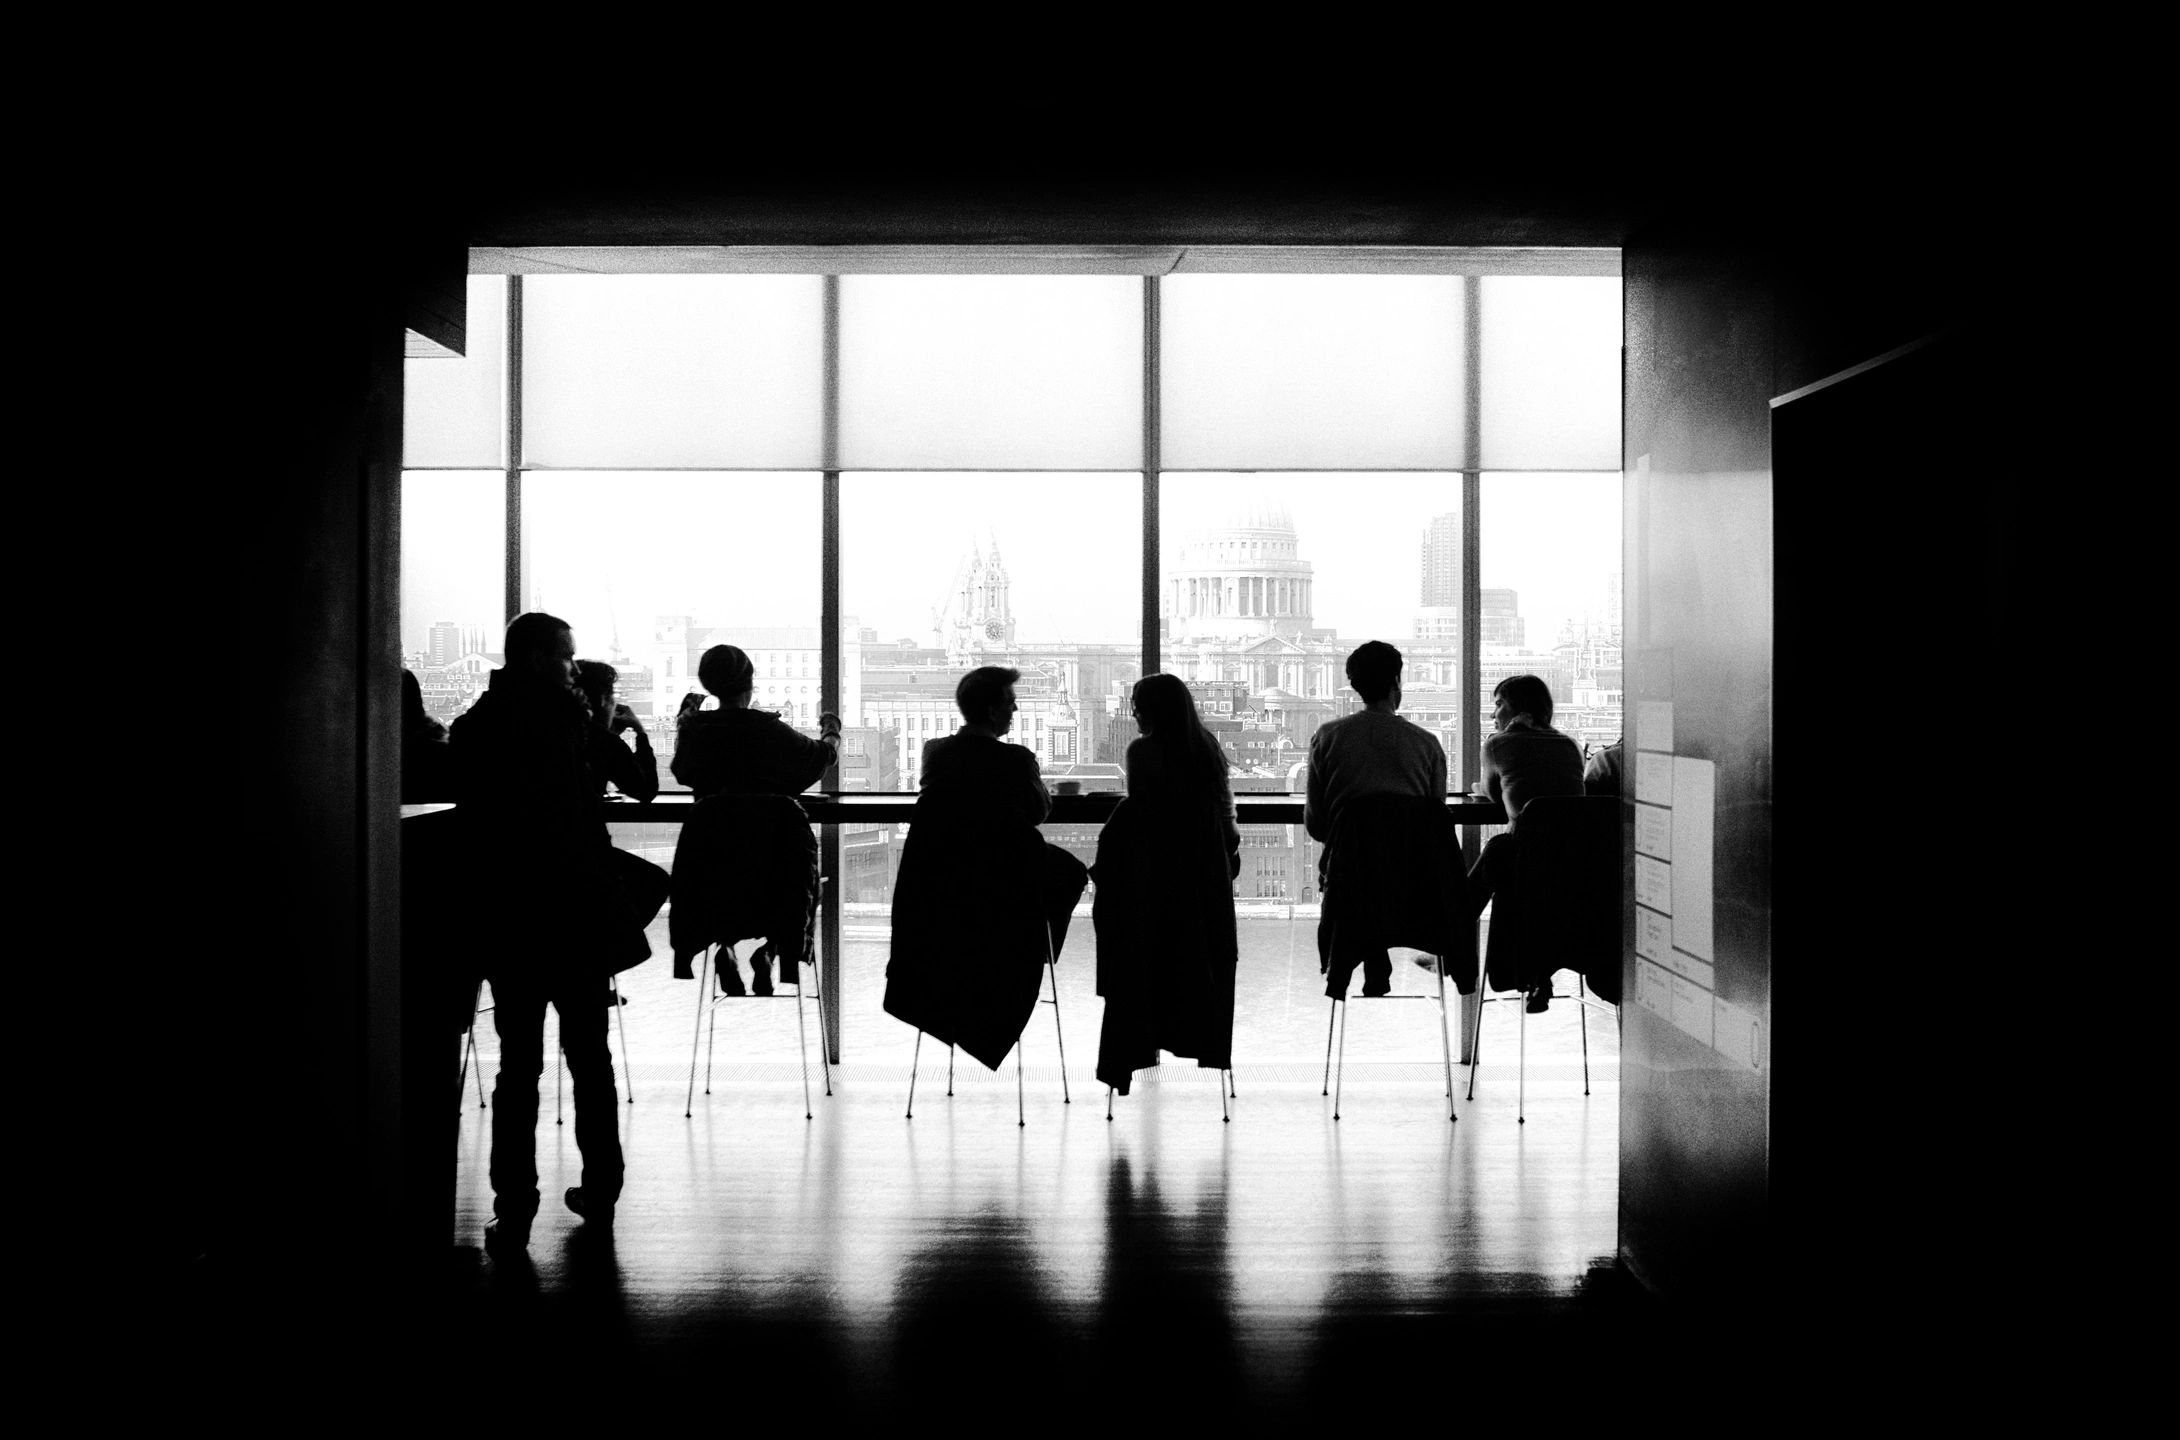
1584	1002
469	1049
1226	1092
1445	1036
1021	1113
708	1000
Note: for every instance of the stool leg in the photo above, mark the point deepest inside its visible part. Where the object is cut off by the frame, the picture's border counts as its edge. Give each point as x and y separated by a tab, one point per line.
1230	1084
1108	1104
1225	1116
1330	1016
1582	1014
628	1075
711	1032
825	1039
1341	1073
1476	1038
560	1070
704	982
1521	1071
1021	1111
1445	1039
949	1072
802	1048
1052	968
912	1059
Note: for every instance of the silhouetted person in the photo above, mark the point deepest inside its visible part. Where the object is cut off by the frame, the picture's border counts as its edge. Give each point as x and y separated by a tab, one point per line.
1524	758
1601	772
427	764
635	773
530	809
1370	753
737	750
1164	909
980	892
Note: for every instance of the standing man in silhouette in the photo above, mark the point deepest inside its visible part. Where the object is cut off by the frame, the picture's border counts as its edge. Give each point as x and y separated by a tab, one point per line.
530	805
1370	753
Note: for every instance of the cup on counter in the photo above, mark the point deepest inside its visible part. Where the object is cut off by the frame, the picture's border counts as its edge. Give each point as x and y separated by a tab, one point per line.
1481	790
1067	787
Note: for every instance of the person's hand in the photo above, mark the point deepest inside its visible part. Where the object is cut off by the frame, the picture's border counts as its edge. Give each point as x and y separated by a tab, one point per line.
691	703
624	719
829	724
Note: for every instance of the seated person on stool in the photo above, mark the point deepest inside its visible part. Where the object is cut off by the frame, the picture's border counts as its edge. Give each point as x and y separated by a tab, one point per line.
1372	752
1524	758
737	750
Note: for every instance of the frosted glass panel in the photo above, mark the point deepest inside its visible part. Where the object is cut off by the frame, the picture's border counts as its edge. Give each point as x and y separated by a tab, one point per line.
650	570
673	370
991	371
1551	392
1312	371
453	597
452	407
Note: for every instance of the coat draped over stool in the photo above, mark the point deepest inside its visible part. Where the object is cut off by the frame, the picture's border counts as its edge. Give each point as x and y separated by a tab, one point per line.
976	896
1393	876
1557	905
745	866
1164	912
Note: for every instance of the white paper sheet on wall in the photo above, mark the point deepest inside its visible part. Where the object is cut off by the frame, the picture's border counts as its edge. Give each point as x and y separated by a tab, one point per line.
1654	831
1695	788
1654	884
1653	778
1653	935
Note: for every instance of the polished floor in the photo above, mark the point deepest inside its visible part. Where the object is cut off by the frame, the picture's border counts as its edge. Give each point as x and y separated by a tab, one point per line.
1165	1260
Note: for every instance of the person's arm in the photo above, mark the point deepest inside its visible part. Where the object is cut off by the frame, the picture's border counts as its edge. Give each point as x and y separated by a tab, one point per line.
1316	820
1438	768
642	767
1229	830
1491	770
1037	804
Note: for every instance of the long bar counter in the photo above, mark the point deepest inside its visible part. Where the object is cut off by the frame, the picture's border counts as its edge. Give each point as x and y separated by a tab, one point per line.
1090	809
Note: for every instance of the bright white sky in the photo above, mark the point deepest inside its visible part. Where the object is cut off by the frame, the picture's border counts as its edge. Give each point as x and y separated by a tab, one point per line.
741	549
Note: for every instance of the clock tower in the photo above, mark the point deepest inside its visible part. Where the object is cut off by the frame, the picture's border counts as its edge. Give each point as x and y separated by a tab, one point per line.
983	625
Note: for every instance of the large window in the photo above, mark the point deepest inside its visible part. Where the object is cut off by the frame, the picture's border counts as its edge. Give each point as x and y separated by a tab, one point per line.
1233	477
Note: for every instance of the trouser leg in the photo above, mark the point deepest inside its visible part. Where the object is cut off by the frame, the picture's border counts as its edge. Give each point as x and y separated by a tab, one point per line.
583	1005
518	1014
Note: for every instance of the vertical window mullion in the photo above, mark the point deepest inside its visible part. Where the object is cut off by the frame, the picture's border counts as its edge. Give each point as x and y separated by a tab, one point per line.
511	453
1469	729
830	689
1152	660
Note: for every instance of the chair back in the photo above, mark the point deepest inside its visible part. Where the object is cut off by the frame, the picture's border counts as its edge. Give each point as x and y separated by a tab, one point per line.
1561	910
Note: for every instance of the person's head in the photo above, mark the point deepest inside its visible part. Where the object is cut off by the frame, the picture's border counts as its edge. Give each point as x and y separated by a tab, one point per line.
986	697
1163	706
1374	671
596	679
727	672
542	647
1520	695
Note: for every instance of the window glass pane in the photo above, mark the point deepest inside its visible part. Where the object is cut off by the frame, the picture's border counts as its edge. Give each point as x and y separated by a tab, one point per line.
1267	582
941	573
1551	596
1312	371
453	558
451	408
652	570
1551	363
673	370
991	371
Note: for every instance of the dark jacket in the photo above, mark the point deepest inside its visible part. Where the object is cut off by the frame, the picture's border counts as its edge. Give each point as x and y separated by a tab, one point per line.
635	773
1164	912
979	899
745	866
1393	876
746	752
530	822
1558	905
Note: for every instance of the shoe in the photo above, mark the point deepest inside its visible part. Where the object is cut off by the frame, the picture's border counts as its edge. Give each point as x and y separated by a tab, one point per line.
1427	963
503	1238
760	971
730	976
598	1215
1539	999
